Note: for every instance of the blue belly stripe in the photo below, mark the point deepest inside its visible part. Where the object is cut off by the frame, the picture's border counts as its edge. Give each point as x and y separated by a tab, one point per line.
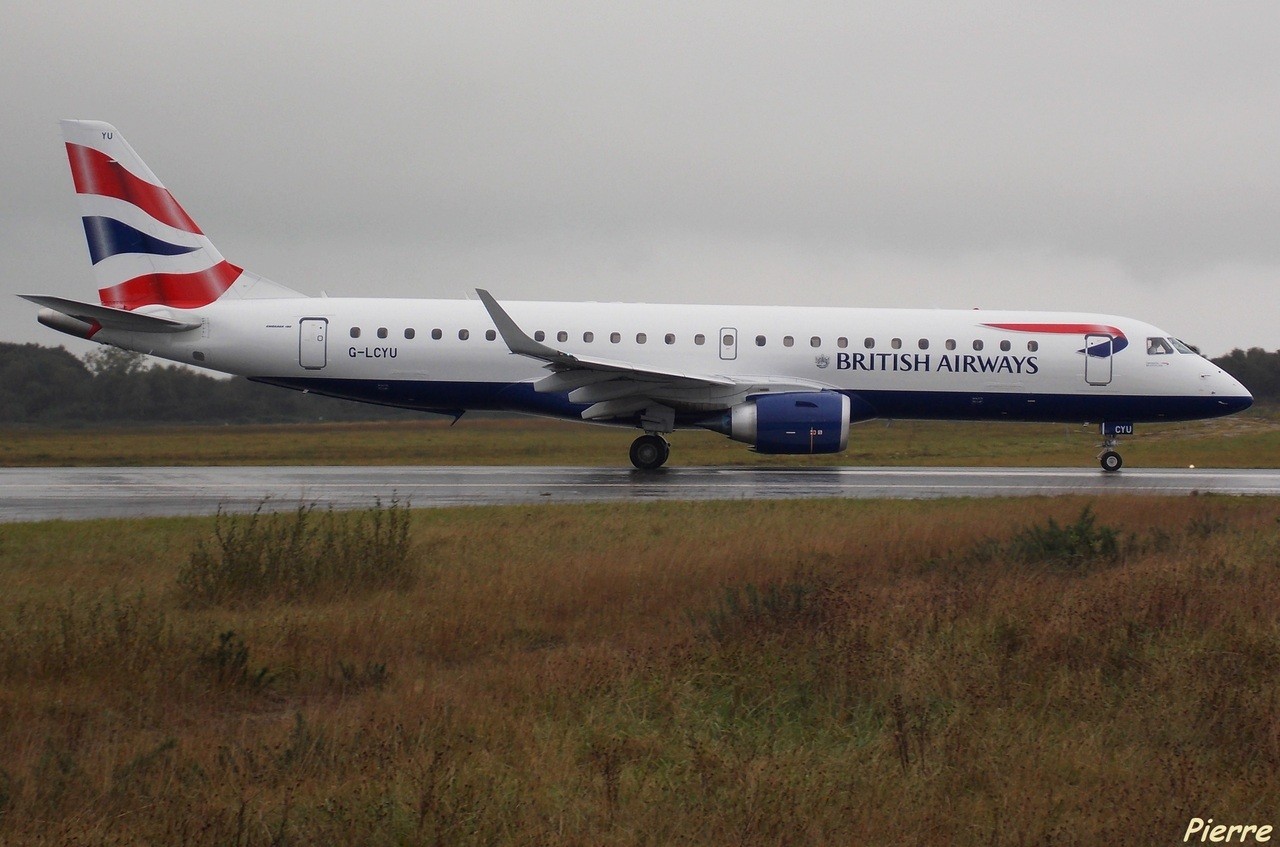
449	397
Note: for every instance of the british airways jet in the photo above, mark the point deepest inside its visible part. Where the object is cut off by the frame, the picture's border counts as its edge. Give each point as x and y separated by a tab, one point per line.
782	379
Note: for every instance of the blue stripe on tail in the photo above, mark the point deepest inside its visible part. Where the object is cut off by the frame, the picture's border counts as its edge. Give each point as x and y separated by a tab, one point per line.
108	237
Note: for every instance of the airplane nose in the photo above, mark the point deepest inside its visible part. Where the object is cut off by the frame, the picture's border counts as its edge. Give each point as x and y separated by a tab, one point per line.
1230	393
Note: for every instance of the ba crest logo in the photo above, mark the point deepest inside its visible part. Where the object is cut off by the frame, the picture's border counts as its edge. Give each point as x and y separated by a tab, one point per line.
821	361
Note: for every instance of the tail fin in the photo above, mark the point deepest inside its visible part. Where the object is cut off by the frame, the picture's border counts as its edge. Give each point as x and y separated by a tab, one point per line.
144	247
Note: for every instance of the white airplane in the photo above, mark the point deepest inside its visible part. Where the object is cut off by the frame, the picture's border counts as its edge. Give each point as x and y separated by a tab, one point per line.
782	379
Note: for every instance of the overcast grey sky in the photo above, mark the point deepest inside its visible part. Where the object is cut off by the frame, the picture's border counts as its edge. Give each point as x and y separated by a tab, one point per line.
1102	157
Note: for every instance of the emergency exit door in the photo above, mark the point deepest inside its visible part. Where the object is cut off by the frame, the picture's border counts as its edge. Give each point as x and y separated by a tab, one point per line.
728	343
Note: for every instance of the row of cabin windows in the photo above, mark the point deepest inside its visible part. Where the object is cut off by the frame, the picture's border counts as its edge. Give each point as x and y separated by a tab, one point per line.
492	335
436	334
896	343
700	339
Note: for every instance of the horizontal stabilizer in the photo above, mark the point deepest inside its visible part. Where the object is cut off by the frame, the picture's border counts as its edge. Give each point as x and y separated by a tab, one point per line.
109	318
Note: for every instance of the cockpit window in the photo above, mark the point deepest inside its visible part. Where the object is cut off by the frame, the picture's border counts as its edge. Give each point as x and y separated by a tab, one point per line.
1182	347
1157	346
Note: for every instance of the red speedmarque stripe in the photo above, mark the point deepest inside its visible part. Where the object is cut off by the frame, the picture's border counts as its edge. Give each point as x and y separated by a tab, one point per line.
94	172
182	291
1064	329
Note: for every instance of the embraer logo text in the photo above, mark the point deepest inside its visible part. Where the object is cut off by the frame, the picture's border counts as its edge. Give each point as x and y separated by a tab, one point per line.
372	352
967	363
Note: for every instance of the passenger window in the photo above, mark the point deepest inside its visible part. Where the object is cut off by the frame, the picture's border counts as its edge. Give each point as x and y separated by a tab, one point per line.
382	332
539	335
977	344
1159	347
409	333
923	344
698	339
868	343
437	334
615	337
816	341
842	342
759	341
896	344
562	336
355	332
670	338
490	335
463	334
951	344
788	341
588	337
1033	346
1005	345
641	338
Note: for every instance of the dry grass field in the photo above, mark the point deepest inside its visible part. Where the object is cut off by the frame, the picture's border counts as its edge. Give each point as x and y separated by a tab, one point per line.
1036	671
1251	439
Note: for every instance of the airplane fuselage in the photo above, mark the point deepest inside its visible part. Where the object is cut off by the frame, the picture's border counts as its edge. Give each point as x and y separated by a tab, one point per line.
447	355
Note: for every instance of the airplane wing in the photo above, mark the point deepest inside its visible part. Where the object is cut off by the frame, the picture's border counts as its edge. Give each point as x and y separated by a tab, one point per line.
615	388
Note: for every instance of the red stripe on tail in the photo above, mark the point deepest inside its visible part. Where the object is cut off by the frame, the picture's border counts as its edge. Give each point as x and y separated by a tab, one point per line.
94	172
182	291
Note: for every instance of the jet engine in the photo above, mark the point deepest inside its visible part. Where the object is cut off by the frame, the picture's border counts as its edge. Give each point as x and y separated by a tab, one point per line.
792	422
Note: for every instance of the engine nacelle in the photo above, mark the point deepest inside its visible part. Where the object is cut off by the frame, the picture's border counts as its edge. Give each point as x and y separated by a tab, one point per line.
67	324
794	422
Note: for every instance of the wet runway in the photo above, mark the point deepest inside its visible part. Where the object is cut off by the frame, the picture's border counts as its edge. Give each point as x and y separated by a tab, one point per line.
32	494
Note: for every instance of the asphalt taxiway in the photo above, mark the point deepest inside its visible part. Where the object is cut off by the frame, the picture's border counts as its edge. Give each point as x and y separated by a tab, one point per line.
34	494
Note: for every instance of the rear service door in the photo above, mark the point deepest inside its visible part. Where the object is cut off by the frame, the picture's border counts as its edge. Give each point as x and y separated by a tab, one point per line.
312	343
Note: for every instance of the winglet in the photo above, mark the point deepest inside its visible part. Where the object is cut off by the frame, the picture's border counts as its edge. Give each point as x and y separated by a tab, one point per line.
517	340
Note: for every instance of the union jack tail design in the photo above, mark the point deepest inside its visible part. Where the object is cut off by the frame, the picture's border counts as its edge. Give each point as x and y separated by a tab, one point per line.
145	249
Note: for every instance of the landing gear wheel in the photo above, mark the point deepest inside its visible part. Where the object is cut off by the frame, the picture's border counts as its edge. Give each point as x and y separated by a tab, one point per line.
650	452
1110	461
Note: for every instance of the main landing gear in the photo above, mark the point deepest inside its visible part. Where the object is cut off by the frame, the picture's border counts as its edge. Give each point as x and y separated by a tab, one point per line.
650	452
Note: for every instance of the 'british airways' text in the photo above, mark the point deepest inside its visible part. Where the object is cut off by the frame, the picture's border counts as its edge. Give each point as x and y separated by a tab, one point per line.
966	363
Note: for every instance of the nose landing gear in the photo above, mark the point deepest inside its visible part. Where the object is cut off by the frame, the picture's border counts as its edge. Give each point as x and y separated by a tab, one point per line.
1109	458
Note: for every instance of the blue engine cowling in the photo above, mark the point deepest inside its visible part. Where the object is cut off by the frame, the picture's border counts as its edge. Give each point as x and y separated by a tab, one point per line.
794	422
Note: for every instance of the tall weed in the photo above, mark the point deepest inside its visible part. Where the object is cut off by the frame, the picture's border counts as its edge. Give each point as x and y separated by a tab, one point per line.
1068	545
130	634
300	555
754	610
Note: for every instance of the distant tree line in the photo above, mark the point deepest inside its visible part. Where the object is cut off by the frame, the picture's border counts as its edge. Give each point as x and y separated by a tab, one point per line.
1257	369
49	385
